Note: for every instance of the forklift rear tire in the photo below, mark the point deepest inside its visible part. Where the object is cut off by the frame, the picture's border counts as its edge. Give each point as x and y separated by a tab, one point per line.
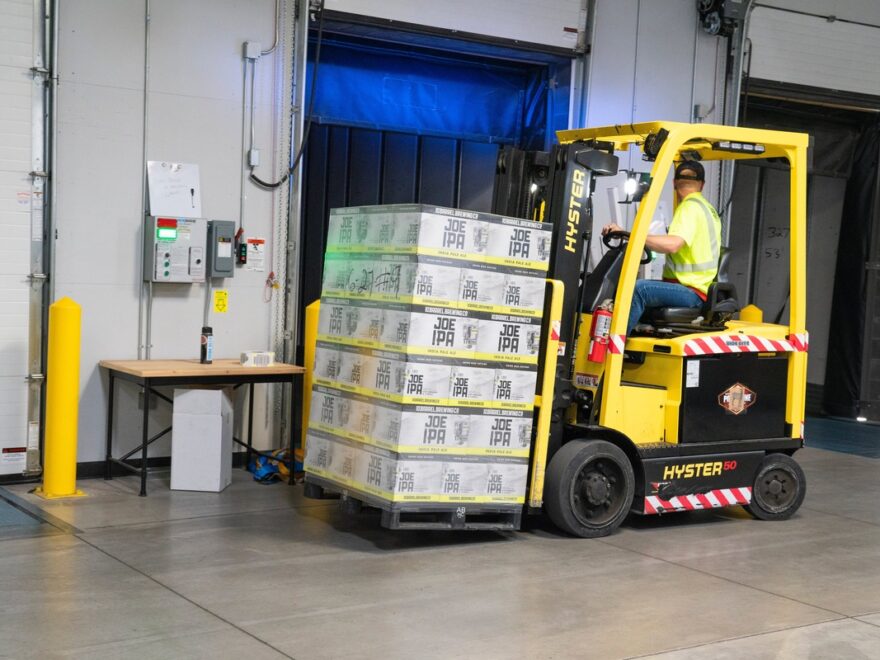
779	488
589	488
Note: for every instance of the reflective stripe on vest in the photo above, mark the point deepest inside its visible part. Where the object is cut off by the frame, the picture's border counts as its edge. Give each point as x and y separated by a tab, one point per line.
713	245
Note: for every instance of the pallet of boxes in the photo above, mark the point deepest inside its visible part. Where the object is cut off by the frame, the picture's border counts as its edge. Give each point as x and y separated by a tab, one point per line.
426	363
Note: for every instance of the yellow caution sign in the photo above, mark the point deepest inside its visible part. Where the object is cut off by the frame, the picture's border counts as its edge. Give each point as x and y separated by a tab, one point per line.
221	301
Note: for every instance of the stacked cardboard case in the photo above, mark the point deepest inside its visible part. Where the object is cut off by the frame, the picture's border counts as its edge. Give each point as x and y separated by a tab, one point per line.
426	362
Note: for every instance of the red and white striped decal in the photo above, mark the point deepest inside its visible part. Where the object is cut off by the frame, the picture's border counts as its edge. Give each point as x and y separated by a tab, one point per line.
745	344
616	343
713	499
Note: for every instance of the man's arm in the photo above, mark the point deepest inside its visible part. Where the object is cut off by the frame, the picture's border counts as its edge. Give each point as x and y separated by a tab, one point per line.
665	244
662	243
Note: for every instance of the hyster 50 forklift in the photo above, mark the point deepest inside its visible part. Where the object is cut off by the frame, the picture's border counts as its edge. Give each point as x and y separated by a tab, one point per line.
703	409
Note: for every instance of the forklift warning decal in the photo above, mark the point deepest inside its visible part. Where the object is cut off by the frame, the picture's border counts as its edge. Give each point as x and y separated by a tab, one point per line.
798	343
737	398
616	343
712	499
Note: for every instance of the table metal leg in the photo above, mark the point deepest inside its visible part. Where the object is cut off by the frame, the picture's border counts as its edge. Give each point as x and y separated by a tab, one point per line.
291	443
145	437
108	465
250	436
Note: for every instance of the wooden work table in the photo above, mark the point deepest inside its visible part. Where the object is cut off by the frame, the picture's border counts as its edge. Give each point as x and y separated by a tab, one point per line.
149	374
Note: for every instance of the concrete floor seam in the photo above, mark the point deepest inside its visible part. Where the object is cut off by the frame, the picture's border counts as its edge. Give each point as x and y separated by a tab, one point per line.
37	512
188	600
735	638
726	579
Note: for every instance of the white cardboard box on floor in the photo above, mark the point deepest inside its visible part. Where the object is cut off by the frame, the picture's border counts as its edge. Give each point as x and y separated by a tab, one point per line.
201	440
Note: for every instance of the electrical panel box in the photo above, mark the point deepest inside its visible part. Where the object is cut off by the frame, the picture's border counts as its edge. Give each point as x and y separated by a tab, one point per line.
175	249
221	257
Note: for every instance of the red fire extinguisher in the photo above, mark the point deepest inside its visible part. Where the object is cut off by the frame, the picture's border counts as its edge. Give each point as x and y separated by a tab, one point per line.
599	334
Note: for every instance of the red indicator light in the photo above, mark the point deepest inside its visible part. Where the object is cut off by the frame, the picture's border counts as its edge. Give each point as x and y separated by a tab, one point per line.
166	222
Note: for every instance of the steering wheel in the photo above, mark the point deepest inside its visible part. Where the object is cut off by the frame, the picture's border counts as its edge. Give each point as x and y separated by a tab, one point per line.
622	238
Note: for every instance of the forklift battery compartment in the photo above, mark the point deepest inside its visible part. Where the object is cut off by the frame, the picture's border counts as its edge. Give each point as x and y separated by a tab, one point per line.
733	397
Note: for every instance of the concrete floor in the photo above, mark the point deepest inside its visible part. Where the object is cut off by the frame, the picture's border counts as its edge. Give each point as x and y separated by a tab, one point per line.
259	572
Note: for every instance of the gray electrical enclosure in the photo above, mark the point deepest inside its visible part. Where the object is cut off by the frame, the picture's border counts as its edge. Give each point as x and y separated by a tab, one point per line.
221	238
175	249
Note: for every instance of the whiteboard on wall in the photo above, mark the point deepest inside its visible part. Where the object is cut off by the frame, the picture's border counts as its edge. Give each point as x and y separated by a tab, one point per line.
547	22
810	50
174	189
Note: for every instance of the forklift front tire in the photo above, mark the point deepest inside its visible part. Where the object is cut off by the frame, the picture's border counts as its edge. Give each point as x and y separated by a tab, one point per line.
779	488
588	488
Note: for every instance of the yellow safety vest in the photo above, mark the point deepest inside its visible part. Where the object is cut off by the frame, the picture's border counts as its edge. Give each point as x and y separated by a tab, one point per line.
696	263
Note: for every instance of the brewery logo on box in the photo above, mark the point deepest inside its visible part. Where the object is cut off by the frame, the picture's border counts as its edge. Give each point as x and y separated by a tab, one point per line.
434	432
451	482
512	294
508	339
348	466
454	233
328	409
500	434
345	230
520	243
444	331
383	375
386	232
424	284
365	419
495	483
406	480
374	471
335	325
503	389
415	384
460	386
469	290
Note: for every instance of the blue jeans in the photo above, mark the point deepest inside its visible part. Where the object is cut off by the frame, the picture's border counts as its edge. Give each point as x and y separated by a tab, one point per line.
655	293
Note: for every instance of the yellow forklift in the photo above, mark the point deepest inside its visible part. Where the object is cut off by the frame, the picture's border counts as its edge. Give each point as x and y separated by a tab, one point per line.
702	410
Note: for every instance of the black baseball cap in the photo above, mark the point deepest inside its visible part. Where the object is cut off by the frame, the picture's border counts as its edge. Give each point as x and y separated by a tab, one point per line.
699	174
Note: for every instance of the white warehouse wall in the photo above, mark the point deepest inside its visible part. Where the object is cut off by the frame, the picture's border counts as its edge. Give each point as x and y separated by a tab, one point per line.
642	67
194	116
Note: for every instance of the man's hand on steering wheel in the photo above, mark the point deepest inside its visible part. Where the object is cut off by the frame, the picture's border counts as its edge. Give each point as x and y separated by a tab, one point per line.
613	232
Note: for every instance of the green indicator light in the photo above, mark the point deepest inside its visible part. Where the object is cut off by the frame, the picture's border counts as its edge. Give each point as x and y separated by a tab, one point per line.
166	234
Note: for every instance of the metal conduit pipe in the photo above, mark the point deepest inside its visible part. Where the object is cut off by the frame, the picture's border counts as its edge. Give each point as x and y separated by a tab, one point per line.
277	28
144	343
728	168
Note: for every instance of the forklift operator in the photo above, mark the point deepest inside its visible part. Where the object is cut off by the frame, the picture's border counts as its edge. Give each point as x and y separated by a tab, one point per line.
691	246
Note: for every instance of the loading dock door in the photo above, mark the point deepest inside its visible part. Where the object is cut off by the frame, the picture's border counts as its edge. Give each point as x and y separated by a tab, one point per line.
20	206
404	123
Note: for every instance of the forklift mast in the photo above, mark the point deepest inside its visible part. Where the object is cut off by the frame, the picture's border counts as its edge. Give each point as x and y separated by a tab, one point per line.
557	187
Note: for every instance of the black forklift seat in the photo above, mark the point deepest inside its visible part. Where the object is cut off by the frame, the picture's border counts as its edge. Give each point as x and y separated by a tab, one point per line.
720	305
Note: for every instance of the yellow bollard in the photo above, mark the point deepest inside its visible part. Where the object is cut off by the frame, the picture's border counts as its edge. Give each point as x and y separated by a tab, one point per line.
62	401
310	339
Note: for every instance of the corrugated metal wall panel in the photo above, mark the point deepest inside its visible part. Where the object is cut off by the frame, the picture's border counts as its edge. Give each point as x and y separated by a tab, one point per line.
16	84
810	50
